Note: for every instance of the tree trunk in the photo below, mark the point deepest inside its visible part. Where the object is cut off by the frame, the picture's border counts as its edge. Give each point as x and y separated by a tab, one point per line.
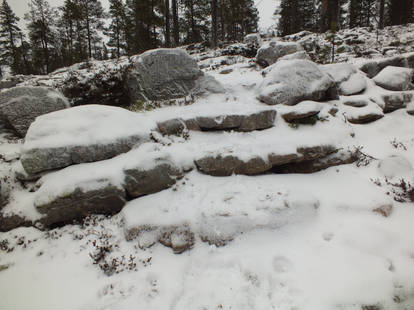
214	22
167	24
381	14
176	28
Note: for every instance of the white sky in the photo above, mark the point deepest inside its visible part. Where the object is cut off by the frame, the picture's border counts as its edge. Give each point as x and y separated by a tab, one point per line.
266	9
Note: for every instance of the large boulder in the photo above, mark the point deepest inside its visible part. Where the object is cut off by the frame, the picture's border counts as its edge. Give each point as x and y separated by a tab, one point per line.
292	81
270	53
19	106
162	74
347	78
82	134
253	39
395	78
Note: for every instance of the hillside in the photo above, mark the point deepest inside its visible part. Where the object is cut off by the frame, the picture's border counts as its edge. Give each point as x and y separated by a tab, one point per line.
255	176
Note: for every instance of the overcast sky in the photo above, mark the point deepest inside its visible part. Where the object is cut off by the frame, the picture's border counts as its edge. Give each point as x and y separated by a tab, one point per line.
266	9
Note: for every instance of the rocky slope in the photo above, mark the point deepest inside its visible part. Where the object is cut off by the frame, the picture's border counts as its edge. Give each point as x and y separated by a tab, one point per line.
287	187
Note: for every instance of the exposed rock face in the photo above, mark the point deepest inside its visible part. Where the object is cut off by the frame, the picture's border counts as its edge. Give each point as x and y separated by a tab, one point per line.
365	118
162	74
395	78
270	53
11	222
318	164
347	78
231	164
79	203
297	55
227	165
396	101
249	122
141	181
292	81
19	106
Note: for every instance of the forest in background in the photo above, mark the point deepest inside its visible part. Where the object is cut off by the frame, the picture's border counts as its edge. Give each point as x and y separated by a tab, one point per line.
81	30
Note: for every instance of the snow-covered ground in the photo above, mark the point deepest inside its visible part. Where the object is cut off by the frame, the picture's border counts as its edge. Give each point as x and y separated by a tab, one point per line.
339	239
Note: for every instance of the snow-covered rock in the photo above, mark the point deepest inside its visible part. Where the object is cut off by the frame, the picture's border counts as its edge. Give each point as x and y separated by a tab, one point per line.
163	74
100	197
302	111
291	81
297	55
347	78
395	78
19	106
395	101
253	39
82	134
269	53
239	122
141	181
361	110
216	210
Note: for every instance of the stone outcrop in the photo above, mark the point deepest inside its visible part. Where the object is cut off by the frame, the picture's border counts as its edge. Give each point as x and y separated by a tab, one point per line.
162	74
292	81
19	106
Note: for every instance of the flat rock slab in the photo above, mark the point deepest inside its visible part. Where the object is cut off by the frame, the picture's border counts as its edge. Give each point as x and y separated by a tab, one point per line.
8	223
356	102
318	164
20	106
99	198
238	122
302	111
289	82
395	78
365	118
81	135
226	165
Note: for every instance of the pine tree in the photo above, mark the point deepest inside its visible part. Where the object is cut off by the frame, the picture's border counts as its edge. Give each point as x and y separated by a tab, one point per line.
214	23
167	14
238	18
176	26
9	35
116	30
92	14
40	25
297	15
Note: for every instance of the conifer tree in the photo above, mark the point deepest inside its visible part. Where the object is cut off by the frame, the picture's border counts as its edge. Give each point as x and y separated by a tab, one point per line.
40	25
116	30
9	35
401	12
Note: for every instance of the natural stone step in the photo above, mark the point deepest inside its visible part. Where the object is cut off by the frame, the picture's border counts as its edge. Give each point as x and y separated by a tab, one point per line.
347	78
230	164
301	111
162	175
81	135
101	198
215	211
238	122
